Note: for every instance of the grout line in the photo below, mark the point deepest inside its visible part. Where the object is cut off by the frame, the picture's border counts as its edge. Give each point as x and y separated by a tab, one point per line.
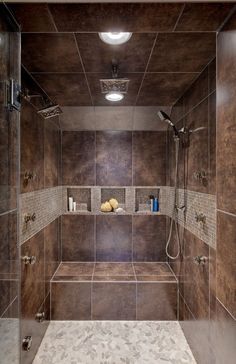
232	11
8	212
178	19
225	212
226	309
10	304
149	59
52	18
82	64
188	307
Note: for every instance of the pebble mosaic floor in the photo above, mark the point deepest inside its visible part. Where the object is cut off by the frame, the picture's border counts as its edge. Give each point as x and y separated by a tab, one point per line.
114	342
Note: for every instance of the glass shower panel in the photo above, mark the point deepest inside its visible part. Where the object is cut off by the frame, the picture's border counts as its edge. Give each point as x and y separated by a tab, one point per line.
9	182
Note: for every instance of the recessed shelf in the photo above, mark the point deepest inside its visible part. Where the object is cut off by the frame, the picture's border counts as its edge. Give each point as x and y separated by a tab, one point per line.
82	197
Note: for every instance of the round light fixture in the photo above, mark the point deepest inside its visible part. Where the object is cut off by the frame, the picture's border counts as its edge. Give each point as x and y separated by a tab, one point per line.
115	38
114	96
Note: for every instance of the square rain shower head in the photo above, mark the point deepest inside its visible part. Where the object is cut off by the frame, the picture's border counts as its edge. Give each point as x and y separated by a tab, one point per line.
114	84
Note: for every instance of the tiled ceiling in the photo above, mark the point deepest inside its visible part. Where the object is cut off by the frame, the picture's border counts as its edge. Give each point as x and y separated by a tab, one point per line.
171	44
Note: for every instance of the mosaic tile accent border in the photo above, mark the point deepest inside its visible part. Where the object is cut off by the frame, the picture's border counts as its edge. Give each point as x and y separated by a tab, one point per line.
196	203
47	206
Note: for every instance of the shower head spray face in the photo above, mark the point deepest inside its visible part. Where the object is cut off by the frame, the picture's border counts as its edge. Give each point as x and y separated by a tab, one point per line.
164	117
50	111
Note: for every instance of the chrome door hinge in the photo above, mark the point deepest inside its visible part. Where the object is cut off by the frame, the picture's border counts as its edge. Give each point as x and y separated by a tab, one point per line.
13	92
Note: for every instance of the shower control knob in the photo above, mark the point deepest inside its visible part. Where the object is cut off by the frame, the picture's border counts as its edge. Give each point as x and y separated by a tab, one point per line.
26	343
29	260
200	259
29	217
40	316
200	218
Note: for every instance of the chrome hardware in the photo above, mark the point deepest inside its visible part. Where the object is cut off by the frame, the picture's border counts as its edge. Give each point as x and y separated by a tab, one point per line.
28	176
13	91
29	260
40	316
26	343
200	259
200	218
180	208
29	217
200	176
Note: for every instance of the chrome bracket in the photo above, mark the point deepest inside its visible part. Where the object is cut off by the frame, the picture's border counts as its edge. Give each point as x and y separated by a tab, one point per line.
26	343
40	316
29	217
13	92
200	260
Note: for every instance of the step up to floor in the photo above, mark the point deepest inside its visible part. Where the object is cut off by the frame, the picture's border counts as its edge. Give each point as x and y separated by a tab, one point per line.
113	291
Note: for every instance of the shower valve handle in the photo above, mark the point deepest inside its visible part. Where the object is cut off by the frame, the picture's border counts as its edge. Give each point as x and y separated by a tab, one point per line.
29	217
29	260
200	259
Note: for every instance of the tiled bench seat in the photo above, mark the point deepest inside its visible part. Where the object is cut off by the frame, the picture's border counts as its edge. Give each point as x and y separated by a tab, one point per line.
113	291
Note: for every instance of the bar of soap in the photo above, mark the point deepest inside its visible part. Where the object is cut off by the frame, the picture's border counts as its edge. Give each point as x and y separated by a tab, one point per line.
106	207
114	203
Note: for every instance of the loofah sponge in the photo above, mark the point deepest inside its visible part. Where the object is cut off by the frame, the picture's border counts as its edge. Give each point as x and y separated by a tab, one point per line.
106	207
114	203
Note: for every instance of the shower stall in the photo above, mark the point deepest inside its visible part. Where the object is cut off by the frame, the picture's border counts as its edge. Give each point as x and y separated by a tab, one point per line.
117	189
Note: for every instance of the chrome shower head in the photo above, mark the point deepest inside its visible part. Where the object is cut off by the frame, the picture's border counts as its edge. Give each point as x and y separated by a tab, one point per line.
50	111
164	117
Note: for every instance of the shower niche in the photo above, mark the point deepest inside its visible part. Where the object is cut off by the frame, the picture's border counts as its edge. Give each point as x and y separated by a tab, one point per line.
142	199
82	199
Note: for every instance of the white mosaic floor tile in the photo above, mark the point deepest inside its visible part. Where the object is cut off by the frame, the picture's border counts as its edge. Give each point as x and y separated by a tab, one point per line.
114	342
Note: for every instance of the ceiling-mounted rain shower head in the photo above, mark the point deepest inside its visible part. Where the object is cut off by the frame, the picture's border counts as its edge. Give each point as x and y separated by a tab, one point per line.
50	111
164	117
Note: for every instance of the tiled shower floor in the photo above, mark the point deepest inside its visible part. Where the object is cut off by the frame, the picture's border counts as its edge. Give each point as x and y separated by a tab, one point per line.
114	342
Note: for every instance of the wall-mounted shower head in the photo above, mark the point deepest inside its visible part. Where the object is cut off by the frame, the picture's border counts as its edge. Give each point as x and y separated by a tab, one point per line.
50	111
164	117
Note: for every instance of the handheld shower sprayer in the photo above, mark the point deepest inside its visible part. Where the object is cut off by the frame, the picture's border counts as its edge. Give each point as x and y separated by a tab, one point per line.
164	117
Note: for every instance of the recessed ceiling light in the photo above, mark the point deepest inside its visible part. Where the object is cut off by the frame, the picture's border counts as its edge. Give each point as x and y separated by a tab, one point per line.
114	96
115	38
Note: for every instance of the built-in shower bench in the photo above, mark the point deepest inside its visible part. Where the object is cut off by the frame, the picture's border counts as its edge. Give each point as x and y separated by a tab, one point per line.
113	291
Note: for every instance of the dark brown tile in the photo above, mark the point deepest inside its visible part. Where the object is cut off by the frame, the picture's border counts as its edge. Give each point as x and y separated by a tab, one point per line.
131	56
33	17
75	269
78	158
197	334
70	301
182	56
8	244
32	277
197	150
114	278
197	92
226	261
67	89
196	279
114	301
224	331
177	111
32	148
51	154
114	238
212	143
78	238
155	278
203	17
212	75
113	269
75	278
149	233
156	301
52	250
99	98
115	17
113	158
149	269
147	147
226	135
55	52
163	88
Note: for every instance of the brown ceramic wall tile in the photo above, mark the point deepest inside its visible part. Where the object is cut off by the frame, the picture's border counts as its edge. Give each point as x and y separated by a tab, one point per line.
149	238
114	301
78	238
115	17
197	334
149	158
182	56
212	143
113	238
226	108
197	92
226	261
113	158
70	301
78	158
156	301
51	250
50	52
32	276
32	148
203	17
197	149
51	154
196	279
212	75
